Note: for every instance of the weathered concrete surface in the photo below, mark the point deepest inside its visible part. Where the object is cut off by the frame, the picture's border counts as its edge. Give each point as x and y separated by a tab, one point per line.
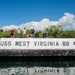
37	52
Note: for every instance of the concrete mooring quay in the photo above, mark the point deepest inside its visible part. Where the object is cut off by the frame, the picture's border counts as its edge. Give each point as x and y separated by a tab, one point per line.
37	52
36	55
40	47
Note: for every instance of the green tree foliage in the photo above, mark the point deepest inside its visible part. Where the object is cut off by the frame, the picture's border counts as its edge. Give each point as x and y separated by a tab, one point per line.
55	31
69	33
5	33
52	31
28	32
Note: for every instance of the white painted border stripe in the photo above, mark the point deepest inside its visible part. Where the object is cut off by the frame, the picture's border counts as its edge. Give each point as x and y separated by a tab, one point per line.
38	43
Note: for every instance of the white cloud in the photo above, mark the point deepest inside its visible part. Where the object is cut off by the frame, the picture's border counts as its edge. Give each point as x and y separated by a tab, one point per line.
67	21
9	27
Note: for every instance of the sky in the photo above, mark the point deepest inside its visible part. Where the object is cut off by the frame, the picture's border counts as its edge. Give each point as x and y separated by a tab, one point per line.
37	14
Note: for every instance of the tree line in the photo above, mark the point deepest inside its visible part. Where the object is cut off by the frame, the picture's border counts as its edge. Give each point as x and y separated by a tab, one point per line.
52	32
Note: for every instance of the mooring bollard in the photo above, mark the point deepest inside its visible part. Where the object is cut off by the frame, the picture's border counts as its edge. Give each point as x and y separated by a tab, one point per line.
37	35
44	35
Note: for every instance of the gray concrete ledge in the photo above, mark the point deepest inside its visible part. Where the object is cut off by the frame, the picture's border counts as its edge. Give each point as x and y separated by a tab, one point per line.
37	52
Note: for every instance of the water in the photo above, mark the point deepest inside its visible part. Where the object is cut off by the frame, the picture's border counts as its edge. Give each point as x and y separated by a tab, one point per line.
37	68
